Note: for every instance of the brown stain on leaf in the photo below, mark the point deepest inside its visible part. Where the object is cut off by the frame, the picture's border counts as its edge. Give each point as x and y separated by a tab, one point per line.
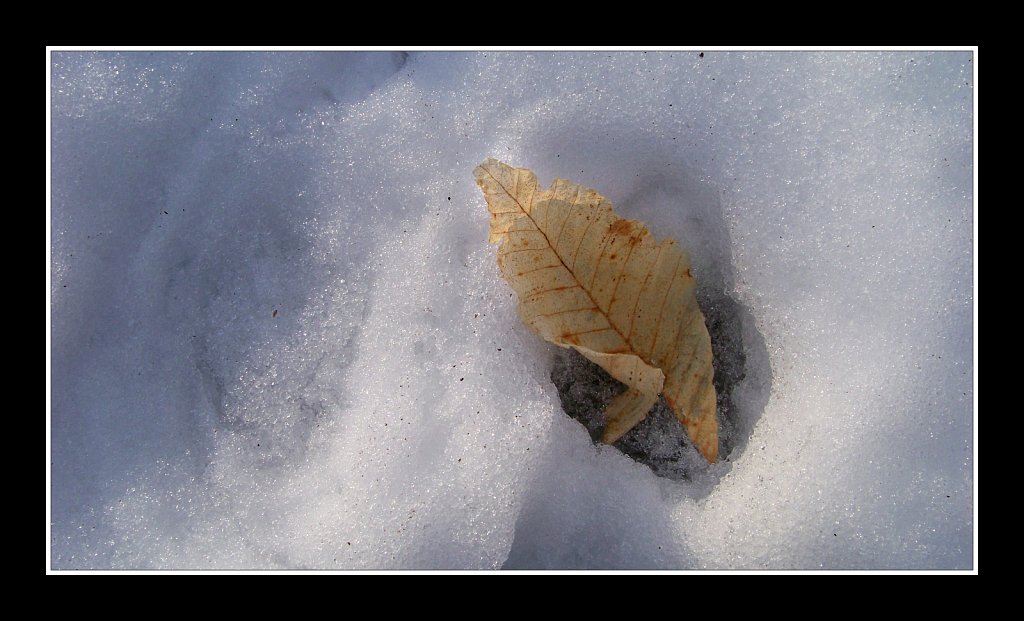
636	318
620	227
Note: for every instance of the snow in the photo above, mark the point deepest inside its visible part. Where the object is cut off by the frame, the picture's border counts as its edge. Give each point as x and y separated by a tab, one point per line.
279	338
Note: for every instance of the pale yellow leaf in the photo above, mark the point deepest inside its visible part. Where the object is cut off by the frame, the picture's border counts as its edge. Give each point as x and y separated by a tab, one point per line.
600	284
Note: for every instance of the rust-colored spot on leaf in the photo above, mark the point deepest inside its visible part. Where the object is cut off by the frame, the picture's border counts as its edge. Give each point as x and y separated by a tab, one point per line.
620	227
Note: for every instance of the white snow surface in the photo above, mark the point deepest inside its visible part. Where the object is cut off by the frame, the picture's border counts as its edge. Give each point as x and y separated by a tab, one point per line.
280	338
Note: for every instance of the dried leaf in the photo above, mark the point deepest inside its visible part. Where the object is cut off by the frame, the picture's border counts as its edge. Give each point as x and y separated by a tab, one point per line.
598	283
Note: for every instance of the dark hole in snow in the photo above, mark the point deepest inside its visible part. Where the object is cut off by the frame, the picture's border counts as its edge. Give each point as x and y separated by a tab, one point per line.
660	441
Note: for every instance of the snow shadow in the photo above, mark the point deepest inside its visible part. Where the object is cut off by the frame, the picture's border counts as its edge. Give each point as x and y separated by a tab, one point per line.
192	278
